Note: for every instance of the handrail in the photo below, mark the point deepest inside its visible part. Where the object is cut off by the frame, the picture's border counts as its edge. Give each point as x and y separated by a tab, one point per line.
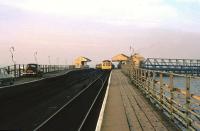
178	102
17	70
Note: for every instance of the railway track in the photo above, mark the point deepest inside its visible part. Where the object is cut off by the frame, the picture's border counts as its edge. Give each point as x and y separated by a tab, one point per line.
81	112
26	106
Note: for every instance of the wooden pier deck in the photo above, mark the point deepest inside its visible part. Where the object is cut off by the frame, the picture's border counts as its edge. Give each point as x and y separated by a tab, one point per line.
128	110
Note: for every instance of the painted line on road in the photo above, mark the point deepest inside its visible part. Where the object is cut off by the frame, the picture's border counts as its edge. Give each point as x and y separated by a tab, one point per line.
100	120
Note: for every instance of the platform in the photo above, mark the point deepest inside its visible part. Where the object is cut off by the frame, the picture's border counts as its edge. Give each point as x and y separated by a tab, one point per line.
127	109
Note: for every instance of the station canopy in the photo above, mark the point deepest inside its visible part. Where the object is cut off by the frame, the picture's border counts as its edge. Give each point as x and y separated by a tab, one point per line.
83	59
138	57
120	58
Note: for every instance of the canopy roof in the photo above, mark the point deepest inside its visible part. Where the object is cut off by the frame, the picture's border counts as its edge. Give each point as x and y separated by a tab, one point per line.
84	59
119	58
137	56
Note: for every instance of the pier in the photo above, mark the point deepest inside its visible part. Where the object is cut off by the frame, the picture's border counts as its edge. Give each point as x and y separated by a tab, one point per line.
133	98
128	110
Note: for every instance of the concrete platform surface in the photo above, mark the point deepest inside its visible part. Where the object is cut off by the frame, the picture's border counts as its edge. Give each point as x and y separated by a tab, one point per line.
128	110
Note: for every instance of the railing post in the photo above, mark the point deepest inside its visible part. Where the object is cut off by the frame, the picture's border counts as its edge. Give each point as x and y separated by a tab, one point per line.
139	82
49	66
9	70
148	82
19	70
23	68
137	76
188	102
143	79
171	86
46	68
154	85
15	70
161	90
129	72
132	73
43	69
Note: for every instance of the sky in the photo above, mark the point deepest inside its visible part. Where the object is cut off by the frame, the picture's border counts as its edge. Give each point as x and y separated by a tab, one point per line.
61	30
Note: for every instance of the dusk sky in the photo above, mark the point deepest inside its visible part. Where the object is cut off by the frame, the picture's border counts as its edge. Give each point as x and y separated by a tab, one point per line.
98	29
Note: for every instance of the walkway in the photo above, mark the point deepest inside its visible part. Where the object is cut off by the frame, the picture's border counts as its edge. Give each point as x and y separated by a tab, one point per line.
127	109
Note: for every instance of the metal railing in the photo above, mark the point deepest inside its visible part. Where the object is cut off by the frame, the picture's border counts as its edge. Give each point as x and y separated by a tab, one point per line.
180	66
171	93
18	69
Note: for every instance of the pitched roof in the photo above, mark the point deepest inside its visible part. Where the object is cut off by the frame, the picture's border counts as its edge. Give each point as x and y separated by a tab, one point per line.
81	58
120	57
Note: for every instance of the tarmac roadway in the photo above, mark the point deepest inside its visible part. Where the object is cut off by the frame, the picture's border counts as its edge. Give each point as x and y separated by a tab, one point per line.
25	106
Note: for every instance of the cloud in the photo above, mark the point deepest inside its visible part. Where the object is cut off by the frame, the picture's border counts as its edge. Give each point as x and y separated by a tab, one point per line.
108	10
188	1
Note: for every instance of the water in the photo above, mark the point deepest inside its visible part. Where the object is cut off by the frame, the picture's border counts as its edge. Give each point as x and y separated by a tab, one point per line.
180	98
180	82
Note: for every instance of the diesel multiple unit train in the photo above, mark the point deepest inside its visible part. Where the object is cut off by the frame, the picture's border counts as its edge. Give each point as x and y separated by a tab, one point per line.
105	65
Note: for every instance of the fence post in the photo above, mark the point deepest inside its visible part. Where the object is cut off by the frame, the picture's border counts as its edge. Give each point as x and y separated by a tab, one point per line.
9	70
15	70
171	86
19	70
146	81
188	78
48	68
23	68
131	74
42	68
161	90
137	77
139	82
149	83
153	84
142	78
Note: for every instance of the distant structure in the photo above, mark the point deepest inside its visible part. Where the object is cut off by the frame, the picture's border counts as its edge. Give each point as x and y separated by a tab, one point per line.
121	58
137	59
178	66
81	62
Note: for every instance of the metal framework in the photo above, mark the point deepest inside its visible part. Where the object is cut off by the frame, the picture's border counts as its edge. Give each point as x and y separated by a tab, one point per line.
180	66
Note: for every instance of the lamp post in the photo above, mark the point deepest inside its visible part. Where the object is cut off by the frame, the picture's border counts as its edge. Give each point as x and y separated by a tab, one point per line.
132	50
12	50
35	57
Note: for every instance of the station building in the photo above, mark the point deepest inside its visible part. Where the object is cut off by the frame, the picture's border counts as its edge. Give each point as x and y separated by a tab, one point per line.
121	59
81	62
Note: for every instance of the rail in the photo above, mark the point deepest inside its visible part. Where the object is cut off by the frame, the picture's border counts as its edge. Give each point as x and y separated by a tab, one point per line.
171	93
90	97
